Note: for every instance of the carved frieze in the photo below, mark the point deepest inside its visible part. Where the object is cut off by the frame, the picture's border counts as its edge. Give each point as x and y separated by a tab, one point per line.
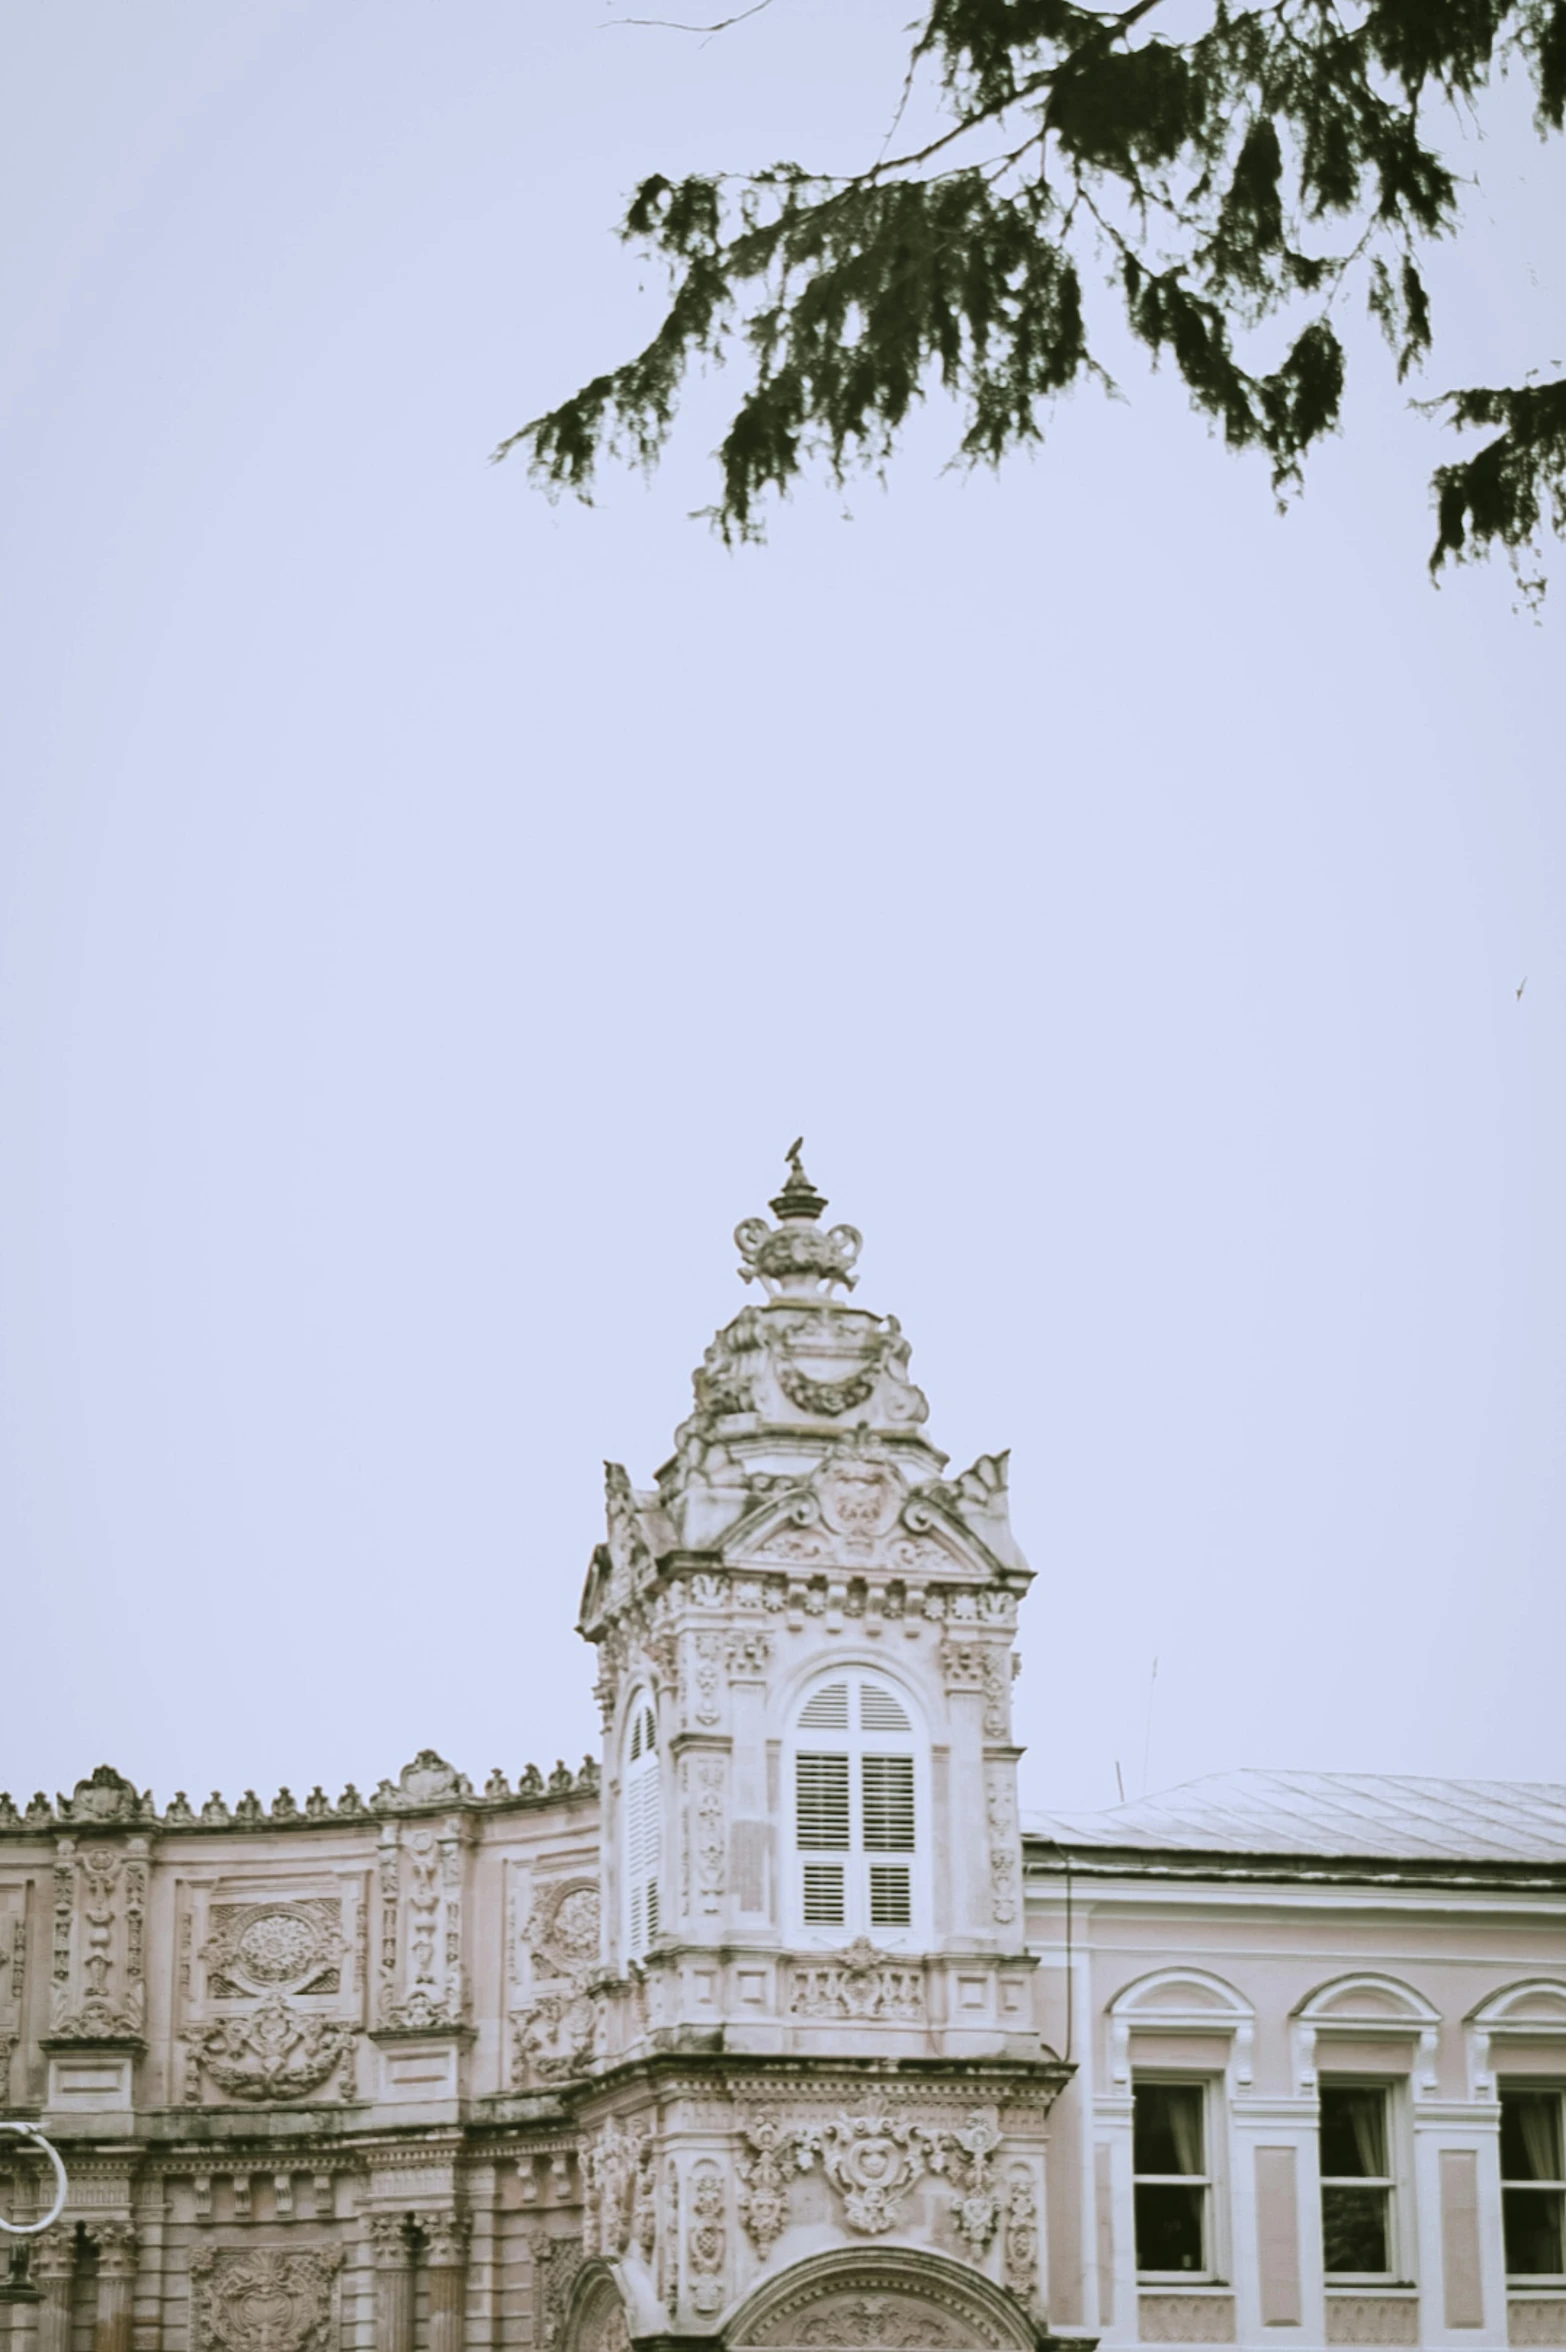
858	1982
1186	2319
1394	2319
264	2301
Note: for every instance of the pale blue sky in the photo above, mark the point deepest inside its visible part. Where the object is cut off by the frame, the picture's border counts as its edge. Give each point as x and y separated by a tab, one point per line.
426	915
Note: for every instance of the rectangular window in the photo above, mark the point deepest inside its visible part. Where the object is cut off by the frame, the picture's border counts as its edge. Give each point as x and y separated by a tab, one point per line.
821	1790
1533	2183
1356	2181
1172	2183
887	1787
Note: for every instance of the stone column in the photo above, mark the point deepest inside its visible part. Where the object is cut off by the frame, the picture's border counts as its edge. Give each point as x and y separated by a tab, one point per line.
446	2235
116	2285
393	2283
53	2266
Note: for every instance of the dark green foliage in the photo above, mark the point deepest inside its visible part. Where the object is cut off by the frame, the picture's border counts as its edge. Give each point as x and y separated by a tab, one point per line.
1228	186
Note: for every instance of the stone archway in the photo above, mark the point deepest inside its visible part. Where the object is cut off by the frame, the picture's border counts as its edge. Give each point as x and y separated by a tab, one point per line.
894	2300
596	2317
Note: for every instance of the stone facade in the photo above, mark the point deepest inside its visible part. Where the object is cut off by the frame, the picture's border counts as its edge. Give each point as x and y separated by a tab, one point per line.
775	2027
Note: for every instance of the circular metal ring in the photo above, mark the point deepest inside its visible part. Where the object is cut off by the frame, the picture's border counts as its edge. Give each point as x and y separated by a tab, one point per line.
30	2229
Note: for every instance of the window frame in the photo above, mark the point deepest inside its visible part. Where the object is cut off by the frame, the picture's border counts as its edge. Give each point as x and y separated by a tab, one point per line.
639	1773
857	1858
1398	2272
1211	2181
1525	2086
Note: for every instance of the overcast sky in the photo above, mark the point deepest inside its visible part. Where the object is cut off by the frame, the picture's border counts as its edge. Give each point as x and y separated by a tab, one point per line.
426	915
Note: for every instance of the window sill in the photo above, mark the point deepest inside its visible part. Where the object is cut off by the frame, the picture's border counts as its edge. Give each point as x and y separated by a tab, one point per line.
1189	2282
1373	2283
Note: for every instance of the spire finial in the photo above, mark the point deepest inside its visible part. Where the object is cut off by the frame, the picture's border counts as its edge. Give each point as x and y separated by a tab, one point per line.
799	1198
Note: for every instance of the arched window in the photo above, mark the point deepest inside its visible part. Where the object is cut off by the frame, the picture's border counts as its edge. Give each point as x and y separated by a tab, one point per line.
643	1827
857	1798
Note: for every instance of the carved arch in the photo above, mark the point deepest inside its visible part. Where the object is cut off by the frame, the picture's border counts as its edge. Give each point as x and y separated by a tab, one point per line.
1366	2006
1533	2010
1180	2001
897	2299
596	2319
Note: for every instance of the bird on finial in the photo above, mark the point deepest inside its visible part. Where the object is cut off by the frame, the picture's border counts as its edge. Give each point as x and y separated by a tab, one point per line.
799	1197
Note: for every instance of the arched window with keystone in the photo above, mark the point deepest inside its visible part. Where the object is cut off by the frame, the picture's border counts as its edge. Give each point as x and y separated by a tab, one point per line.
858	1785
643	1818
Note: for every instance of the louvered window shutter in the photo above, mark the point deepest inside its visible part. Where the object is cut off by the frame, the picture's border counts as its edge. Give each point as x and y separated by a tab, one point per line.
643	1832
856	1797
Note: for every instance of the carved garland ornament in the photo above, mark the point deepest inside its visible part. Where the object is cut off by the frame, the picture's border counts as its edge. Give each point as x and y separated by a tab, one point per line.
275	2052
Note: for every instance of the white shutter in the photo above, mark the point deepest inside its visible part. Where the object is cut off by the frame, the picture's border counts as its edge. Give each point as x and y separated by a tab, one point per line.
643	1832
887	1786
821	1803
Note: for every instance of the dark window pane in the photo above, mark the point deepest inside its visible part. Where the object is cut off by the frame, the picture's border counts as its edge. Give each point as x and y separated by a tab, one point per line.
1532	2219
1353	2133
1354	2230
1169	2232
1167	2131
1531	2136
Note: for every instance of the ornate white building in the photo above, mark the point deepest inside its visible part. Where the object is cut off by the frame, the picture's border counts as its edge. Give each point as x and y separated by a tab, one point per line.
777	2029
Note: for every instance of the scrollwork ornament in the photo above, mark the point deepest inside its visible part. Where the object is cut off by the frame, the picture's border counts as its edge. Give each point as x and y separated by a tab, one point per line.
872	2161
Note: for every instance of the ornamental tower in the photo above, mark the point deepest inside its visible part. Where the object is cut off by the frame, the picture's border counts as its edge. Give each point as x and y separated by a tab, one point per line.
815	2037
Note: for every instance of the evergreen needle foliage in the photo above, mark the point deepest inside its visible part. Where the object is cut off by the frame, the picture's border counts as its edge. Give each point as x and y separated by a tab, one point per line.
1253	176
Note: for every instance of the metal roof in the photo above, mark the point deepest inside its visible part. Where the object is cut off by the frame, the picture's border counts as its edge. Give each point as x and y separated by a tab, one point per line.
1339	1814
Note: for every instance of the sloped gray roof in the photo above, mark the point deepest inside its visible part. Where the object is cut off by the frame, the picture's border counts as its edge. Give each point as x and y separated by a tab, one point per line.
1365	1816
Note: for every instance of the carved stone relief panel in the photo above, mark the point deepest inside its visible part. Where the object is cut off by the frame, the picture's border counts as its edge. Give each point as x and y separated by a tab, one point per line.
98	1988
555	1953
1535	2319
270	1987
269	2300
421	1985
1394	2319
1186	2319
881	2312
706	2242
858	1982
13	1976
